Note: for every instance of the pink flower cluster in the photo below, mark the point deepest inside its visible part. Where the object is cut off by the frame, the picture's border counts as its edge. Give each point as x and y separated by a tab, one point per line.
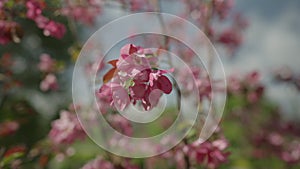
223	7
47	65
211	154
66	129
49	83
100	163
205	12
279	139
135	79
200	81
121	124
248	86
137	5
83	11
50	27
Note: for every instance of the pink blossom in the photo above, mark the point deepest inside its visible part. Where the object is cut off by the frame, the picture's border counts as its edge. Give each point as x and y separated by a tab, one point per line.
210	153
253	78
121	124
292	154
200	80
41	21
256	93
2	3
223	7
231	38
50	28
49	83
98	163
204	88
150	92
140	5
275	139
128	165
46	64
234	84
66	129
135	79
112	94
54	29
34	9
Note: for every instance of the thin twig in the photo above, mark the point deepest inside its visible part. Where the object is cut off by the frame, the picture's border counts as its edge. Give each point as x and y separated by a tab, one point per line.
186	157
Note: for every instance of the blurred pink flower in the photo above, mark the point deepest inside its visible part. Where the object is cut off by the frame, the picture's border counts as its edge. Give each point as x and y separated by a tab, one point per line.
98	163
210	153
66	129
199	80
76	12
49	83
234	84
8	128
231	38
128	165
34	9
50	28
275	139
140	5
41	21
223	7
292	154
47	64
54	29
121	124
252	78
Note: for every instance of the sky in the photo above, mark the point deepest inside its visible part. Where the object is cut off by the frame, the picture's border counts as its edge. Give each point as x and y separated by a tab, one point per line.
273	36
272	40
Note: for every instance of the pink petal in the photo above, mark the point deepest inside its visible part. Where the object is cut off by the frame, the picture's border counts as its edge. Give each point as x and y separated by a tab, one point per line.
128	50
138	91
154	97
143	76
120	97
164	84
